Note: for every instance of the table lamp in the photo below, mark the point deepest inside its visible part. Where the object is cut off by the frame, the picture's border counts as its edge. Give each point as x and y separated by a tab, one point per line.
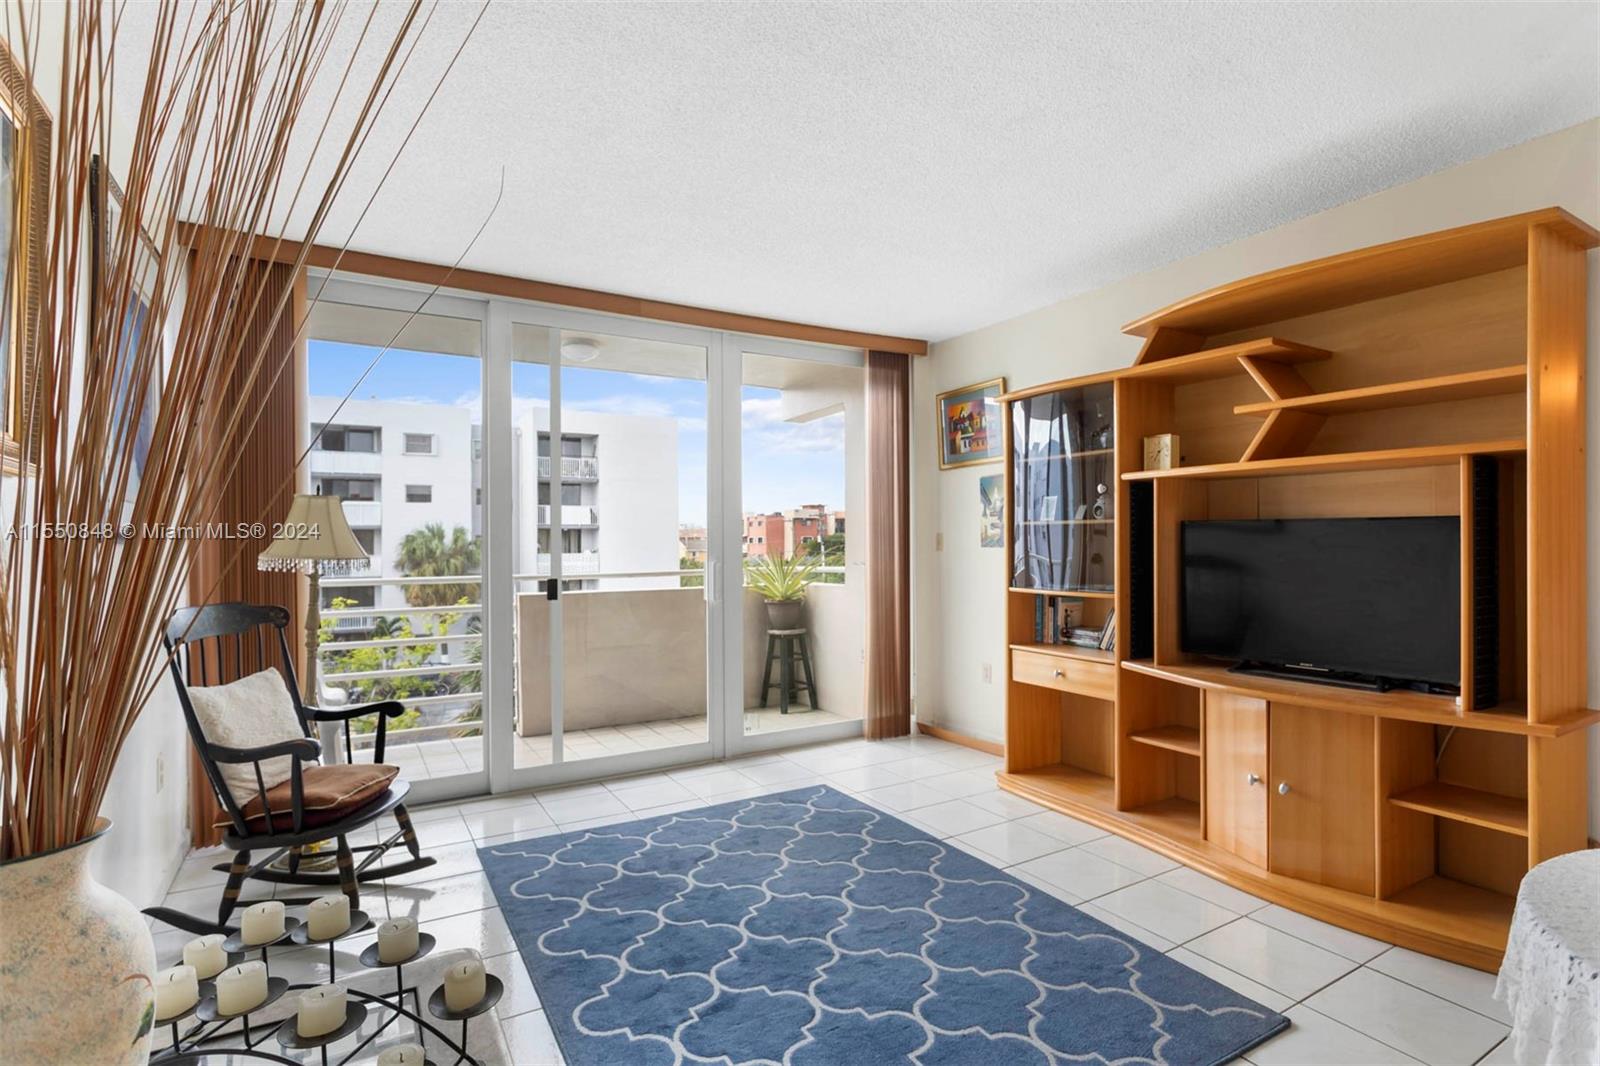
314	540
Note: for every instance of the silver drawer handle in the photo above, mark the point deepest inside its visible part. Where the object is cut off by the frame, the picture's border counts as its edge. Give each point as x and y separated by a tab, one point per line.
1058	673
1283	788
1252	779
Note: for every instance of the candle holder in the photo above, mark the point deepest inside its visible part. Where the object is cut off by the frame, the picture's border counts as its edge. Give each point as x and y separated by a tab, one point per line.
355	1015
207	1010
492	991
235	942
371	960
301	935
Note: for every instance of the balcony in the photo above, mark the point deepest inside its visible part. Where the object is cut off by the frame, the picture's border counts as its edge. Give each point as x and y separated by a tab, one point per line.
635	678
573	515
363	514
345	464
573	564
573	468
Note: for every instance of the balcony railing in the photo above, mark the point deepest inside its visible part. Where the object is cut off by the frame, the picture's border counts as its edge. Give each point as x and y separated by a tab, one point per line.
835	647
573	467
573	515
332	464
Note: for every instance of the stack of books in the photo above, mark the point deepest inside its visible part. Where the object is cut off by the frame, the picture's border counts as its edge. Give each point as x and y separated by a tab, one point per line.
1052	624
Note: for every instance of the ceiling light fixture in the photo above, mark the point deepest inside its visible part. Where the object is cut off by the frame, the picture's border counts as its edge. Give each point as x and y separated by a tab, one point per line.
580	350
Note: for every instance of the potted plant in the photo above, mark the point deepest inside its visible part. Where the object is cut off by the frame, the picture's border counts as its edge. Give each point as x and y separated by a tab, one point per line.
782	583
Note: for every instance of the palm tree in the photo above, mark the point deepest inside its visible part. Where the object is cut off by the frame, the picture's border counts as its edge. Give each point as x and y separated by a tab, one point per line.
427	552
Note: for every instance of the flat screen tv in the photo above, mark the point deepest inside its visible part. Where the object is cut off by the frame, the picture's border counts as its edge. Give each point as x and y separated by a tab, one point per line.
1351	600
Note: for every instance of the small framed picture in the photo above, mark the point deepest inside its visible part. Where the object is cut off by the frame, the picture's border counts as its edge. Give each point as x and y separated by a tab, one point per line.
991	510
969	425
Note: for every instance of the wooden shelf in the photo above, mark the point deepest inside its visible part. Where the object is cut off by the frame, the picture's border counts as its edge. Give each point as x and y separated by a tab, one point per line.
1091	453
1070	783
1179	738
1070	651
1070	522
1431	455
1500	381
1489	810
1076	594
1407	706
1223	362
1364	274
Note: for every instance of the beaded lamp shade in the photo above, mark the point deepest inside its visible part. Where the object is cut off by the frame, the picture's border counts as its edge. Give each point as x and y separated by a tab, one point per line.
314	538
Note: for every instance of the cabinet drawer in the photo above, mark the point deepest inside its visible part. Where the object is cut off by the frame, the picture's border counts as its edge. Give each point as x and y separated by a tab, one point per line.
1069	675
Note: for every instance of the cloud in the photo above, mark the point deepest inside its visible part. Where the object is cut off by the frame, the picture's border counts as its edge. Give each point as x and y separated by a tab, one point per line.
766	430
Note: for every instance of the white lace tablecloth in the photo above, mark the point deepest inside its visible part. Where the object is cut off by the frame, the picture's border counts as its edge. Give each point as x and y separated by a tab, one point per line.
1550	979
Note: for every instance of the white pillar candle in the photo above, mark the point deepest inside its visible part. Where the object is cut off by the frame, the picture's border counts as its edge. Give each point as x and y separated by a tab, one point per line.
328	917
401	1055
241	988
206	955
263	922
397	940
322	1010
464	984
177	990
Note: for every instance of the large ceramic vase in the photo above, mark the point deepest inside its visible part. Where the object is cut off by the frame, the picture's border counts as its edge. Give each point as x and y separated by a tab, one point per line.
76	963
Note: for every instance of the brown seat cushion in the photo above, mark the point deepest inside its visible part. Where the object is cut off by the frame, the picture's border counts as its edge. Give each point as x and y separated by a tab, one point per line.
328	794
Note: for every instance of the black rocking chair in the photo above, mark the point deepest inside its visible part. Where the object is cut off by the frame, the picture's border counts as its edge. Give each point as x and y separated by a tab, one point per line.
205	645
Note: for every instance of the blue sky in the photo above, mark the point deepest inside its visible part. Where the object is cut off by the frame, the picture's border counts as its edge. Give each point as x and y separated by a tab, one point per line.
785	465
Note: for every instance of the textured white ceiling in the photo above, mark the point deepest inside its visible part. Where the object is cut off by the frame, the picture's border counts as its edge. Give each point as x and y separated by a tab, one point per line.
925	169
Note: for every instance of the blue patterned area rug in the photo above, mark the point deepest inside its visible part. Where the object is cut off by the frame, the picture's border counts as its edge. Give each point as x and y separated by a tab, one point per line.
810	929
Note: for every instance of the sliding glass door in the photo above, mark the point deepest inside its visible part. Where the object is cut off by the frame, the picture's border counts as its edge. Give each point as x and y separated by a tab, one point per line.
576	522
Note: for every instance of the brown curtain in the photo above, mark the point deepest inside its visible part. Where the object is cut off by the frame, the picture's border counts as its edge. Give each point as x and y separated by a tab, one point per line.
259	490
888	710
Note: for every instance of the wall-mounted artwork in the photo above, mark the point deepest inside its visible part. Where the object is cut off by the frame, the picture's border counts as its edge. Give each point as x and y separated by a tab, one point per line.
991	509
969	425
24	218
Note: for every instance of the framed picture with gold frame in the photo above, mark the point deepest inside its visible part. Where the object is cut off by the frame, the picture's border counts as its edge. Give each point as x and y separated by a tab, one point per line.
24	229
969	425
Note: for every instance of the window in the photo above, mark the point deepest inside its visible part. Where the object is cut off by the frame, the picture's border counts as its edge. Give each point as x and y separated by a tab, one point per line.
544	445
368	539
571	446
419	493
571	493
544	493
347	439
350	488
419	444
477	497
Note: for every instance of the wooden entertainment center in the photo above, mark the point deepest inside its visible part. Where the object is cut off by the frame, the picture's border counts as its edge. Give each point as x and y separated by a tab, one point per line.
1439	375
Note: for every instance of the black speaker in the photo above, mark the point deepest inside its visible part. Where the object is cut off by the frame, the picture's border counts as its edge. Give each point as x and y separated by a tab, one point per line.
1141	570
1485	582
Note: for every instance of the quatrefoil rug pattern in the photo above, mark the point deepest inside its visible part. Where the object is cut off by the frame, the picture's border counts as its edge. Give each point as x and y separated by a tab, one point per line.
810	929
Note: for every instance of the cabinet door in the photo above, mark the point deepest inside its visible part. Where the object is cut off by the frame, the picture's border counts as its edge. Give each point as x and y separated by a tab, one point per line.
1321	804
1236	775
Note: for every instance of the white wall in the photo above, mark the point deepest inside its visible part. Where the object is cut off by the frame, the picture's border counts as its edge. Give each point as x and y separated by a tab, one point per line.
958	625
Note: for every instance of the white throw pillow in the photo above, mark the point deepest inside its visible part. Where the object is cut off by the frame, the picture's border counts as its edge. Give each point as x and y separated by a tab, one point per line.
249	713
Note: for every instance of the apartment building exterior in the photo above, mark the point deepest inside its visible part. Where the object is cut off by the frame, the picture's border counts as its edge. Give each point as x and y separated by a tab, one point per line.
782	534
400	466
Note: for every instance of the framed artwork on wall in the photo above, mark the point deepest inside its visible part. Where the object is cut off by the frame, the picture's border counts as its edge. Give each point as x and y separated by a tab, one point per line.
106	204
969	425
24	224
991	508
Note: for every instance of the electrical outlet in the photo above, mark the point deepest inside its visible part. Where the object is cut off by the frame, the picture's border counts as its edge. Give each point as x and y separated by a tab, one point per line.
161	773
988	674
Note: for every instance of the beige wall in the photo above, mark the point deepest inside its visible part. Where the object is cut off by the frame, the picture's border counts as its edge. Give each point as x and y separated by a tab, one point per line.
958	627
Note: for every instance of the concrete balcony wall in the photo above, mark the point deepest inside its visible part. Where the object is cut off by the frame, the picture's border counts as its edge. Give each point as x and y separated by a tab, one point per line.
640	655
363	514
572	515
347	464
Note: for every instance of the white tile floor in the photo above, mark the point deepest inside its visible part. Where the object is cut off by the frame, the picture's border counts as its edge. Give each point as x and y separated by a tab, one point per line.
1352	999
